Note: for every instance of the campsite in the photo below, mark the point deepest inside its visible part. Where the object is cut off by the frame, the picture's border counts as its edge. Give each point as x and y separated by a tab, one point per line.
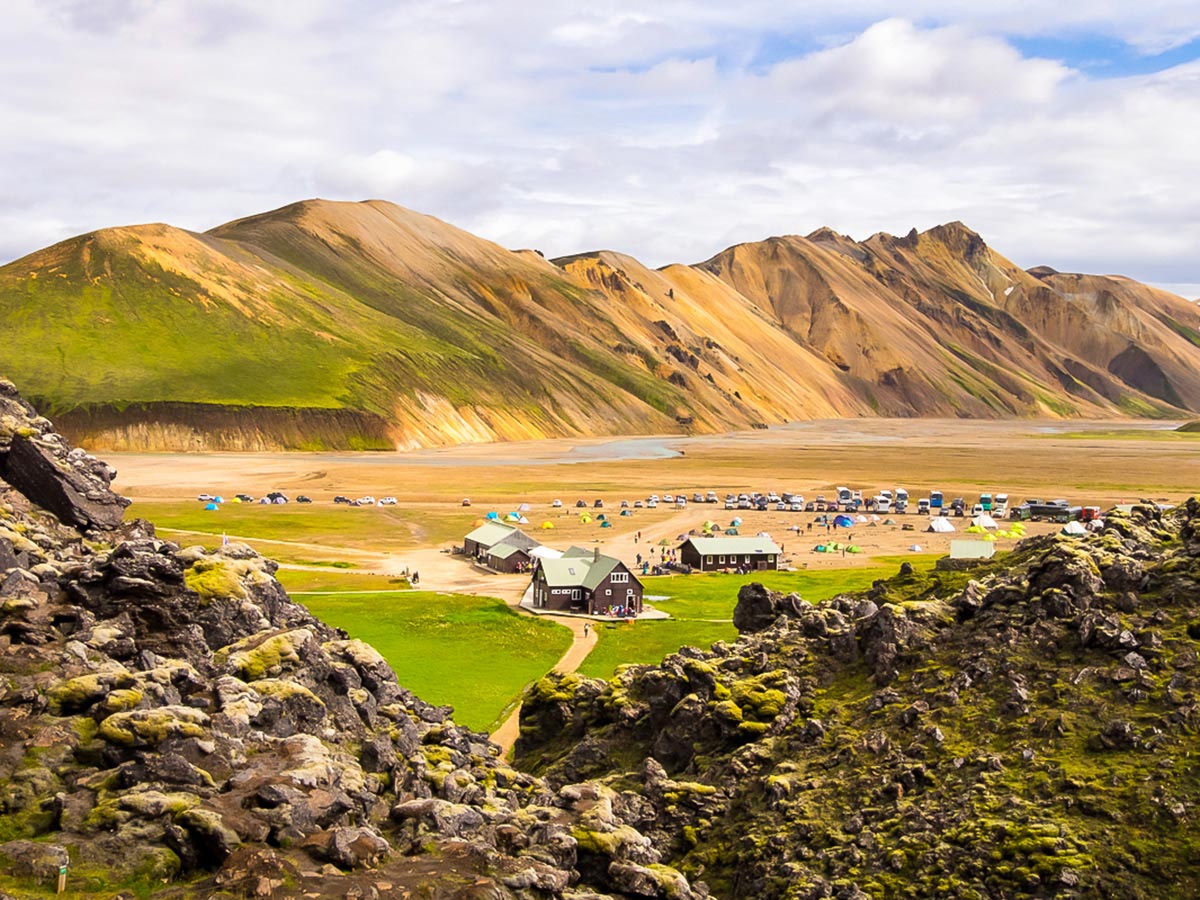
331	547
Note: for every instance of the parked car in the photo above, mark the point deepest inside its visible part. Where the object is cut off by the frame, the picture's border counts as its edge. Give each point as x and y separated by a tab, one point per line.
341	499
638	504
466	501
731	504
205	498
599	504
797	506
810	506
367	500
303	498
697	497
652	504
245	498
781	507
388	501
668	498
557	504
581	504
710	497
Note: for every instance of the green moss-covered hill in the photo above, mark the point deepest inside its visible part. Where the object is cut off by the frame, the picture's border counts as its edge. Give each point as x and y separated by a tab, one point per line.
365	325
1024	729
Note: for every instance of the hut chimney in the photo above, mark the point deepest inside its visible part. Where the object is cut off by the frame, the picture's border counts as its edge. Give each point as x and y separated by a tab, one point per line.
595	554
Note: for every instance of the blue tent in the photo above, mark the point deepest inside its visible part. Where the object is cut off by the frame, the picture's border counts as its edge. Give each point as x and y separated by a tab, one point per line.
211	506
493	516
843	522
218	499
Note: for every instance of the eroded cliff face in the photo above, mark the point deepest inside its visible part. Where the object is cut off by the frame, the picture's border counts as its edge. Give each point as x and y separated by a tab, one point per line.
172	723
1023	728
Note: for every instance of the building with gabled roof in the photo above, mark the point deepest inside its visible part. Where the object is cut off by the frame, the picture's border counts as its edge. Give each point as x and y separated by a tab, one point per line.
500	546
593	584
709	554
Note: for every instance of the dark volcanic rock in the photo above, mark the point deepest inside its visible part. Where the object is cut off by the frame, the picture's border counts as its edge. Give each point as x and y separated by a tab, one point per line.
41	465
758	608
1006	737
168	710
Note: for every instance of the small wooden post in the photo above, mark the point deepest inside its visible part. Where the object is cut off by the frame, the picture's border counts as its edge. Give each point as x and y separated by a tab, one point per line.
62	879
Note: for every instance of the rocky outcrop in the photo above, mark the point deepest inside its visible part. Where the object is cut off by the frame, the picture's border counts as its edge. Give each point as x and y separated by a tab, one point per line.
171	721
1007	731
36	461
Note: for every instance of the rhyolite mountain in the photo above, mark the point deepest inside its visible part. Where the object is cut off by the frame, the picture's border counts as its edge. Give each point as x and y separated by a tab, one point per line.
368	326
173	725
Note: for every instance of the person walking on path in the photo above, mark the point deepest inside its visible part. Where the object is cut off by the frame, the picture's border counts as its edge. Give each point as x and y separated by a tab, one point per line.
587	628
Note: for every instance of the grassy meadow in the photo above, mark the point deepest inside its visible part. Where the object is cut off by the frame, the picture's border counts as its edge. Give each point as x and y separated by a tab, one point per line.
305	534
428	637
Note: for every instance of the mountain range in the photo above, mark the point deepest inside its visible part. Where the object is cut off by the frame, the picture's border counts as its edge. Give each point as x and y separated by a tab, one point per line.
332	325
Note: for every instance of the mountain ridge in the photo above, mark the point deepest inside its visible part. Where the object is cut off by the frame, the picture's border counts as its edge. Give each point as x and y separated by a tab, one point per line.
385	313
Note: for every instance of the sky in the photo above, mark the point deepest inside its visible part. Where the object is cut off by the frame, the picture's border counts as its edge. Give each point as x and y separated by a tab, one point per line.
1065	133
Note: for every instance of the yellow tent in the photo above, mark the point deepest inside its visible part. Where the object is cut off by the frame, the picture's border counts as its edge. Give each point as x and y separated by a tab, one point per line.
547	524
585	519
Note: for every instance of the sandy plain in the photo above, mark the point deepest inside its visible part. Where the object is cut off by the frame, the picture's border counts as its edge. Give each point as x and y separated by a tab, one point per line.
1094	463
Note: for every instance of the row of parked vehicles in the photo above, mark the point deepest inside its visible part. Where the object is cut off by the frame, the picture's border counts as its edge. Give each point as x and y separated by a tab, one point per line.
280	498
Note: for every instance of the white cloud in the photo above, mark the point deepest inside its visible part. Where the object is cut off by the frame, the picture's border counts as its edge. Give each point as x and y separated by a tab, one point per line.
665	131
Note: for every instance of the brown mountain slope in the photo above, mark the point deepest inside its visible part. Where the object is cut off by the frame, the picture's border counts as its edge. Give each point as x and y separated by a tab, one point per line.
365	325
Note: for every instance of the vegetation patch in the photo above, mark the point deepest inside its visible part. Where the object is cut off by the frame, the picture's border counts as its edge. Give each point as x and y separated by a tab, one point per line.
472	653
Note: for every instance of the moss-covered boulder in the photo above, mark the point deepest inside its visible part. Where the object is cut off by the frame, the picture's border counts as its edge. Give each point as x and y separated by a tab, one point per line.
150	727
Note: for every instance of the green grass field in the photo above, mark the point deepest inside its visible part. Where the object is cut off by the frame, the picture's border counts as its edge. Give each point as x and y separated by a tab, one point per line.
473	653
702	610
335	581
333	527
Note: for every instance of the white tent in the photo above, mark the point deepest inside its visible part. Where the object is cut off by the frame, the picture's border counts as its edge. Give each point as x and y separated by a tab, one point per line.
941	525
1075	529
985	521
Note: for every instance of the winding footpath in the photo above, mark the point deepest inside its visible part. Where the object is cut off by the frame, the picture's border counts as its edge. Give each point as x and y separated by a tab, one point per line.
506	735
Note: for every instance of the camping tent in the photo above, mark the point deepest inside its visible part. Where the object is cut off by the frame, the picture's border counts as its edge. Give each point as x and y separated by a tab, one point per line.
940	525
735	521
627	512
606	524
494	516
513	517
843	522
1075	529
585	519
986	522
524	507
522	521
211	506
547	525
